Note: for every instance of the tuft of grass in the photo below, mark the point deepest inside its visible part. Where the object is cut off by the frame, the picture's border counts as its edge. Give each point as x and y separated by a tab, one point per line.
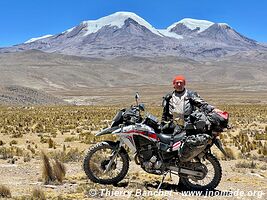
47	171
230	153
38	194
13	142
262	136
59	170
244	164
1	143
264	151
263	167
52	171
4	192
51	143
10	152
72	155
71	139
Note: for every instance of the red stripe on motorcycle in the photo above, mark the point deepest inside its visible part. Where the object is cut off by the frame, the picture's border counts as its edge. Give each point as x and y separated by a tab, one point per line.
151	135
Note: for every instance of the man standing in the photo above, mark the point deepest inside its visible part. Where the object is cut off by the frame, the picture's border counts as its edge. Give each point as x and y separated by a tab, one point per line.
179	104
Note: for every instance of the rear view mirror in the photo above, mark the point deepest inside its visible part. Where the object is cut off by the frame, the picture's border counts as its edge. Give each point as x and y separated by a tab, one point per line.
137	96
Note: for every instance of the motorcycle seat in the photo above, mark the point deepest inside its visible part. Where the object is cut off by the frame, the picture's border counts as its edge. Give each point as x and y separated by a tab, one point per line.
166	138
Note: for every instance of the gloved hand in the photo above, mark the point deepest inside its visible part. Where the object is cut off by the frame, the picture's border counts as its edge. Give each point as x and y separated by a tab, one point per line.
207	109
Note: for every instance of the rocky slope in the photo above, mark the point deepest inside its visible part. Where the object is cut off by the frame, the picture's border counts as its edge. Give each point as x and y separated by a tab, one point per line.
17	95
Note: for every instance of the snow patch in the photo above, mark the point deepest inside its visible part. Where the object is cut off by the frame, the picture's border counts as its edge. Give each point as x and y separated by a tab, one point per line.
193	24
117	19
69	30
167	33
38	38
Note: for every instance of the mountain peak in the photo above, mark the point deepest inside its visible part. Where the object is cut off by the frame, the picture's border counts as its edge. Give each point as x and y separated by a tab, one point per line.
224	25
116	19
193	24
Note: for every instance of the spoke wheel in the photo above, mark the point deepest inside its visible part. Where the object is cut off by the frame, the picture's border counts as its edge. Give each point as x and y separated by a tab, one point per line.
97	160
212	178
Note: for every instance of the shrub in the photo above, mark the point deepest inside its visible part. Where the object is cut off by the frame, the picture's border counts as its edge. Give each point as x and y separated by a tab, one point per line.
230	153
13	142
9	152
51	143
53	173
250	165
1	143
38	194
71	139
73	155
4	192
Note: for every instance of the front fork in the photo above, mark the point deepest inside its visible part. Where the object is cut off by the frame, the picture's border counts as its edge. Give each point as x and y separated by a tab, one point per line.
113	156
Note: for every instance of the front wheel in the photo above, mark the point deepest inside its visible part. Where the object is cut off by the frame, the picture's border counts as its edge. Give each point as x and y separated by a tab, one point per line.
212	178
105	164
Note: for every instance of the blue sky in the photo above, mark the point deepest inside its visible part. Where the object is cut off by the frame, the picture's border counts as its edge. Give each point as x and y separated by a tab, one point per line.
21	20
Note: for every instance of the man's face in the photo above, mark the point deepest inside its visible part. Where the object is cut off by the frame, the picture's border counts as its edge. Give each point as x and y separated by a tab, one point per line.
179	86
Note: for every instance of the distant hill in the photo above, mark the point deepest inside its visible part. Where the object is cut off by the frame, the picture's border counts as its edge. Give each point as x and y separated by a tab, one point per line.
57	72
17	95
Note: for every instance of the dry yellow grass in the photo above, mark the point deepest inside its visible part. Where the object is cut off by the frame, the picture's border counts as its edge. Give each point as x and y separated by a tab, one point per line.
69	131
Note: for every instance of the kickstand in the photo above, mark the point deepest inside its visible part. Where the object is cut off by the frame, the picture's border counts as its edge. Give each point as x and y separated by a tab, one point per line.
163	177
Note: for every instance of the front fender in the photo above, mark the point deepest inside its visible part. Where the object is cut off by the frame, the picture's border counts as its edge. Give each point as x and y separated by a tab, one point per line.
116	145
107	131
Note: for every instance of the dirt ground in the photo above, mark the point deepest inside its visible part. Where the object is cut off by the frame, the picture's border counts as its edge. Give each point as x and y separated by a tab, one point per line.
22	178
23	173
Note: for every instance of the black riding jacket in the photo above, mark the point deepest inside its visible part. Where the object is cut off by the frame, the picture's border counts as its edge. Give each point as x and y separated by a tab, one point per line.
191	102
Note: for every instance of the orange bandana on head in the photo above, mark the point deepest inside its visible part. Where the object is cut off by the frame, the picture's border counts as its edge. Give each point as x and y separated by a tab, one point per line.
178	78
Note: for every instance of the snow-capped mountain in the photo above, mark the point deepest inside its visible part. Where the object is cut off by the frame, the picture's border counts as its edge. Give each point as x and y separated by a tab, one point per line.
191	24
125	33
118	20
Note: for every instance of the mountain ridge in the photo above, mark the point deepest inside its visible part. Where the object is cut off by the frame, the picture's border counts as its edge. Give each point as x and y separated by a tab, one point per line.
127	34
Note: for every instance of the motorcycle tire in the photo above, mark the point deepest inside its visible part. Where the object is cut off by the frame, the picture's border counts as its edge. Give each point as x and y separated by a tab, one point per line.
213	183
106	145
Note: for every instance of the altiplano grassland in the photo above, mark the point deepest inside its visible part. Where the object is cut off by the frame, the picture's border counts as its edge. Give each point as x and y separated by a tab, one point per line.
64	133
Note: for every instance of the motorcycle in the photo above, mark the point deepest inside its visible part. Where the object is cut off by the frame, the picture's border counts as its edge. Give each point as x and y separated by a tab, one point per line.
180	153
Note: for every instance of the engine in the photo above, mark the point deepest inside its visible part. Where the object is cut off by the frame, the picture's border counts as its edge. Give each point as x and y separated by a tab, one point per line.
149	161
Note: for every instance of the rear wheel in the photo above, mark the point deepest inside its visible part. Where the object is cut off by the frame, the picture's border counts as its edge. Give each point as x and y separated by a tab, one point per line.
99	157
212	178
